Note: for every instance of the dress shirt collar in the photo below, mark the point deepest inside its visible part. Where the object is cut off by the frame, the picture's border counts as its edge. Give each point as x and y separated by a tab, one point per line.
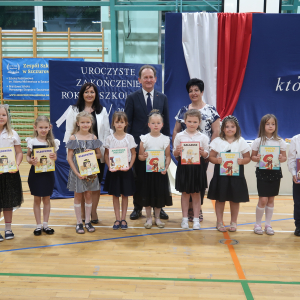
269	139
3	131
197	133
145	93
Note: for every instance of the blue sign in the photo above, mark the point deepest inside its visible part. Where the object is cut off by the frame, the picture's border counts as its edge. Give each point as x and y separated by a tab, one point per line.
115	81
27	78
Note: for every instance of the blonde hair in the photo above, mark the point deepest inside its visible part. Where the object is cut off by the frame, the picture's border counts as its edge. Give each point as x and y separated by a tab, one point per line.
262	129
7	126
235	121
50	136
83	114
118	116
155	113
193	113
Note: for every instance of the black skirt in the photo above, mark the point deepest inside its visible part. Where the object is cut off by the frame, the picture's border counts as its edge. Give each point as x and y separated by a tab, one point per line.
268	182
191	178
11	194
41	184
101	168
119	183
228	188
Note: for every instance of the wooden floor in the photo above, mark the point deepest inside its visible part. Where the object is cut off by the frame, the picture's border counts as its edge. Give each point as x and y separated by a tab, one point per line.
168	263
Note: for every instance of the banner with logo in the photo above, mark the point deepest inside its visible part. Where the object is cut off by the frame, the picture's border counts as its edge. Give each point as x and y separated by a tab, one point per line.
115	81
27	78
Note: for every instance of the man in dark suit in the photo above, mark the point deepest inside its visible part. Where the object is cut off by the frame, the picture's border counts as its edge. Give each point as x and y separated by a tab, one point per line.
137	107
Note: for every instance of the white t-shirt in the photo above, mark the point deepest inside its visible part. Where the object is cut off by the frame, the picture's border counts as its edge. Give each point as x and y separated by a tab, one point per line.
9	141
35	142
183	136
155	143
269	142
219	145
128	141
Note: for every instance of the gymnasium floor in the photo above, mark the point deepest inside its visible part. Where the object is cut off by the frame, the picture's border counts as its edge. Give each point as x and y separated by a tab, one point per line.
168	263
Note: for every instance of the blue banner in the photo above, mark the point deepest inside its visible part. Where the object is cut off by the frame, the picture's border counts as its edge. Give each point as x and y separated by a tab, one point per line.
27	78
115	81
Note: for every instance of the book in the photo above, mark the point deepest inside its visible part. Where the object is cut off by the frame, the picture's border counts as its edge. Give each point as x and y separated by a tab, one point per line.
190	154
87	163
298	169
8	160
45	163
229	165
118	159
155	161
269	159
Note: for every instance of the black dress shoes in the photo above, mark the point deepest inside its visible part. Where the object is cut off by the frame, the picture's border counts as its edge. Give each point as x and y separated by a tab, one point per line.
135	214
163	215
297	231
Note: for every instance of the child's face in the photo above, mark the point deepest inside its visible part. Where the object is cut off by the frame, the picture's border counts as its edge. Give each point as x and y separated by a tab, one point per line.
230	129
42	128
155	124
270	126
120	124
84	123
192	123
3	117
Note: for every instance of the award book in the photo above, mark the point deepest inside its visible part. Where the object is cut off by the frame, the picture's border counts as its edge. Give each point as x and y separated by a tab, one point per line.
269	159
118	159
87	163
298	169
155	161
190	154
8	160
229	165
45	163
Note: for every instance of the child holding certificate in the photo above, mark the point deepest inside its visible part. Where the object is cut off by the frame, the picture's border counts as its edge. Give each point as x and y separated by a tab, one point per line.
41	184
119	178
191	178
225	187
11	194
81	140
268	178
155	189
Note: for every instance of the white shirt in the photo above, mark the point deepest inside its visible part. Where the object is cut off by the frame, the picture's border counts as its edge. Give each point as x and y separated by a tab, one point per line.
160	142
294	152
128	142
9	141
219	145
269	142
35	142
183	136
146	96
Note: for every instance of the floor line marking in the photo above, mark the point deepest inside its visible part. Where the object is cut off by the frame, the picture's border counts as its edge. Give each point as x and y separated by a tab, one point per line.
247	290
149	278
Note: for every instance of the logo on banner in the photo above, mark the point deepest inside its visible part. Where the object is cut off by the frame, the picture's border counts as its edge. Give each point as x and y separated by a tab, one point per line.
13	69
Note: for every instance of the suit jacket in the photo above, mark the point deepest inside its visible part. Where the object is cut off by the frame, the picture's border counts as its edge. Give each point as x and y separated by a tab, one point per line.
137	113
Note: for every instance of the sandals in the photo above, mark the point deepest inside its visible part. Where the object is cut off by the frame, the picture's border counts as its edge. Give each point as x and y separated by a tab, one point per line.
201	216
148	225
220	227
190	215
80	229
48	230
89	227
232	227
159	223
117	226
257	229
95	221
269	230
124	226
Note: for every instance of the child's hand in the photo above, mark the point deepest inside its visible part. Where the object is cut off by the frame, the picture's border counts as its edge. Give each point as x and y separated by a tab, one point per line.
33	161
125	169
219	160
295	179
164	172
80	176
53	156
240	161
145	155
202	153
257	157
87	150
113	170
15	171
281	158
179	149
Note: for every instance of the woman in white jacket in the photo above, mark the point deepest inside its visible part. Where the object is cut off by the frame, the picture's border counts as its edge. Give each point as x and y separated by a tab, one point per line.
88	100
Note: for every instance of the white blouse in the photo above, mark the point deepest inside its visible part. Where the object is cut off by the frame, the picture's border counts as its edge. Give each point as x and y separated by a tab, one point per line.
128	141
9	141
269	142
294	153
219	145
155	143
183	136
35	142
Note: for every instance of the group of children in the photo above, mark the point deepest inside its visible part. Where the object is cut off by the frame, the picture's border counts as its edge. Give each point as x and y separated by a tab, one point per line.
154	187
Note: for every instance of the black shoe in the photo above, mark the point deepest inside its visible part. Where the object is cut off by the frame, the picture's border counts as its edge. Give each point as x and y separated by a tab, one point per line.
163	215
48	230
297	231
135	214
37	231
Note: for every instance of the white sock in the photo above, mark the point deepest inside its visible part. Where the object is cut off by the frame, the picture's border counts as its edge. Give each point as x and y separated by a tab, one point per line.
185	220
39	226
77	208
88	211
259	215
196	220
45	225
269	215
7	226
